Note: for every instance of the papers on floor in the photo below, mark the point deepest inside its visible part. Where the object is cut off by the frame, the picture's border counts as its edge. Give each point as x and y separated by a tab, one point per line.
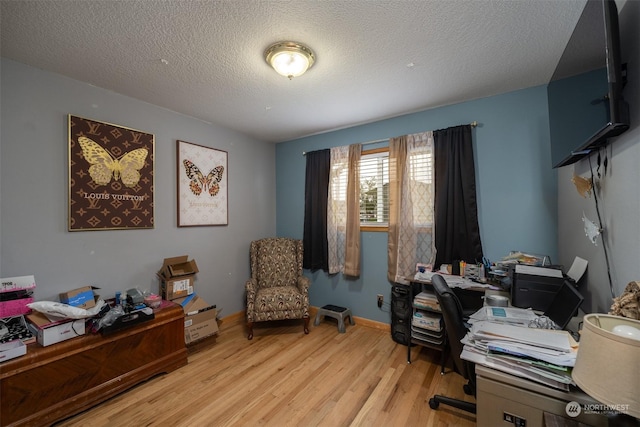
541	355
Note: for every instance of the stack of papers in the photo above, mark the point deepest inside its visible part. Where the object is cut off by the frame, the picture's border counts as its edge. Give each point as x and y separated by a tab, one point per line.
424	320
452	280
426	300
541	355
509	315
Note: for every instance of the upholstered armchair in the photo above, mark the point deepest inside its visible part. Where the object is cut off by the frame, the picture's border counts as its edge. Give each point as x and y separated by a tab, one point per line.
277	290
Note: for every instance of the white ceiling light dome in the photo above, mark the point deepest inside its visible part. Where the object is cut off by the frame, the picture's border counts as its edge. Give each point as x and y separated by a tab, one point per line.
289	59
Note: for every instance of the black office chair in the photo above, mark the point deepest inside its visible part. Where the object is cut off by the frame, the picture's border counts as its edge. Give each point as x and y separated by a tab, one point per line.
456	329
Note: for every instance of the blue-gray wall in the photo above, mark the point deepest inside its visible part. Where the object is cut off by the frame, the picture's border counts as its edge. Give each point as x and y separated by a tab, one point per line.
517	189
33	206
618	197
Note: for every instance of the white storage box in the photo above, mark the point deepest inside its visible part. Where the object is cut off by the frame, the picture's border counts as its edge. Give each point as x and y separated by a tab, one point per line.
49	332
12	349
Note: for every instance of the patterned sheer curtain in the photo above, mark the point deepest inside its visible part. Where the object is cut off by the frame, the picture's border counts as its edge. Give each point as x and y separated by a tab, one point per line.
411	204
343	211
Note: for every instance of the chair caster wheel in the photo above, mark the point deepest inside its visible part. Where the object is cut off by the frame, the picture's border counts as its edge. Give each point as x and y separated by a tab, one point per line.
467	389
433	404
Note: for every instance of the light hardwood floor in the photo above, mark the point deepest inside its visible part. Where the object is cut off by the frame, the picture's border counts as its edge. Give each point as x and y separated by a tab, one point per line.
285	378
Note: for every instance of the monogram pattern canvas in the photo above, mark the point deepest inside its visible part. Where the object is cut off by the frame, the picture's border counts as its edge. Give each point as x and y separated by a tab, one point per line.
111	176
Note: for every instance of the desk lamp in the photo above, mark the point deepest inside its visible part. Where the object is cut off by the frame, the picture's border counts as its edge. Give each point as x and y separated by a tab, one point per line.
608	363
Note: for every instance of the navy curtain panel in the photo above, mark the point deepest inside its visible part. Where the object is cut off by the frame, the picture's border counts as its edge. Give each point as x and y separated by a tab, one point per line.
316	253
457	233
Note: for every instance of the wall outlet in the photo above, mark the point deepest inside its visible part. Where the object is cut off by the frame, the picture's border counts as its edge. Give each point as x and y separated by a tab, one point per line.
380	300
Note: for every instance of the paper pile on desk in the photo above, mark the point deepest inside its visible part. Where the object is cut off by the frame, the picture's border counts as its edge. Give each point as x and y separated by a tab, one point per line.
542	355
509	315
452	280
426	300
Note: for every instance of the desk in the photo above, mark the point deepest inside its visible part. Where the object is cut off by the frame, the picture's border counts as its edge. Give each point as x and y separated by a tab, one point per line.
470	298
499	393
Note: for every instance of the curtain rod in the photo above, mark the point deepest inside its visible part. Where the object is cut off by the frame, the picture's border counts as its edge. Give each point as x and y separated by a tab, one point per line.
472	124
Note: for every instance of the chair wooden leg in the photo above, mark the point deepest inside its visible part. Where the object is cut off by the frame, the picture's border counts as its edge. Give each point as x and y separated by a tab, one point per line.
250	328
306	325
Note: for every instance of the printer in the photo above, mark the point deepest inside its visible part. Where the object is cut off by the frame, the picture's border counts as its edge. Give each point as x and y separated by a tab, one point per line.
535	287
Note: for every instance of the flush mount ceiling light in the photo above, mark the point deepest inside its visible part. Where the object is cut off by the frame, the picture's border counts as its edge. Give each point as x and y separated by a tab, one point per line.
290	59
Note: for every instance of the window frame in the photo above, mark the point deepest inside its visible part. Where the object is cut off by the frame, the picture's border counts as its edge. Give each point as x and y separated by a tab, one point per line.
363	225
384	227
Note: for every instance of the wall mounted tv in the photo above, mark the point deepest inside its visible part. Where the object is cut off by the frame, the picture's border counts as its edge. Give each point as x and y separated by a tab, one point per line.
586	107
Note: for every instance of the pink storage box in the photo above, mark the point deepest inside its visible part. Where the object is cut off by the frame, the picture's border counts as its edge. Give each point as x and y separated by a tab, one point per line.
16	307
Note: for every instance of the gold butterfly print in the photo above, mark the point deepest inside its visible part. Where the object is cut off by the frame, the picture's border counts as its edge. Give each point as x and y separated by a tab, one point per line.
199	182
104	165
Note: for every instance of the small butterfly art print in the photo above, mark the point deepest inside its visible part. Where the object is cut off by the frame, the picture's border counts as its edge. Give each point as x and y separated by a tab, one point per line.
202	185
199	182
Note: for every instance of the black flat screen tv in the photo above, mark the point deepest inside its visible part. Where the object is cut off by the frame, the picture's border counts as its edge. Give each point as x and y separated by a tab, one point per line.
586	107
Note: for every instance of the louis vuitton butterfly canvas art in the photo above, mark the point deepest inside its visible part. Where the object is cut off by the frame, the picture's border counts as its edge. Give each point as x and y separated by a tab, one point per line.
111	176
202	185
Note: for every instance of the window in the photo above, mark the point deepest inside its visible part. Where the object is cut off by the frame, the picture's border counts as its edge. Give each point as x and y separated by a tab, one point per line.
374	188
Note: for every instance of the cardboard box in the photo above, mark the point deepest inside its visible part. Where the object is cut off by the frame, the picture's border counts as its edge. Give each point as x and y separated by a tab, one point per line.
177	277
12	349
200	318
172	289
82	297
50	332
178	266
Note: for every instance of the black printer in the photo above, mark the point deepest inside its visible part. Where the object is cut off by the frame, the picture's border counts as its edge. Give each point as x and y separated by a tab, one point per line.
535	287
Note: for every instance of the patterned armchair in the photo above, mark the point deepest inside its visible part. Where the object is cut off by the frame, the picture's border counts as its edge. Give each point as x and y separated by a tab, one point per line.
277	289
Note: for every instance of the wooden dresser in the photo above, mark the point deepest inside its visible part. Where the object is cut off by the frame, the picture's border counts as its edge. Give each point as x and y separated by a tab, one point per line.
52	383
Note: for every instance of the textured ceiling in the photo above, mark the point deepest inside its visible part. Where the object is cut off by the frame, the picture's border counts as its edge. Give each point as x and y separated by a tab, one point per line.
375	59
